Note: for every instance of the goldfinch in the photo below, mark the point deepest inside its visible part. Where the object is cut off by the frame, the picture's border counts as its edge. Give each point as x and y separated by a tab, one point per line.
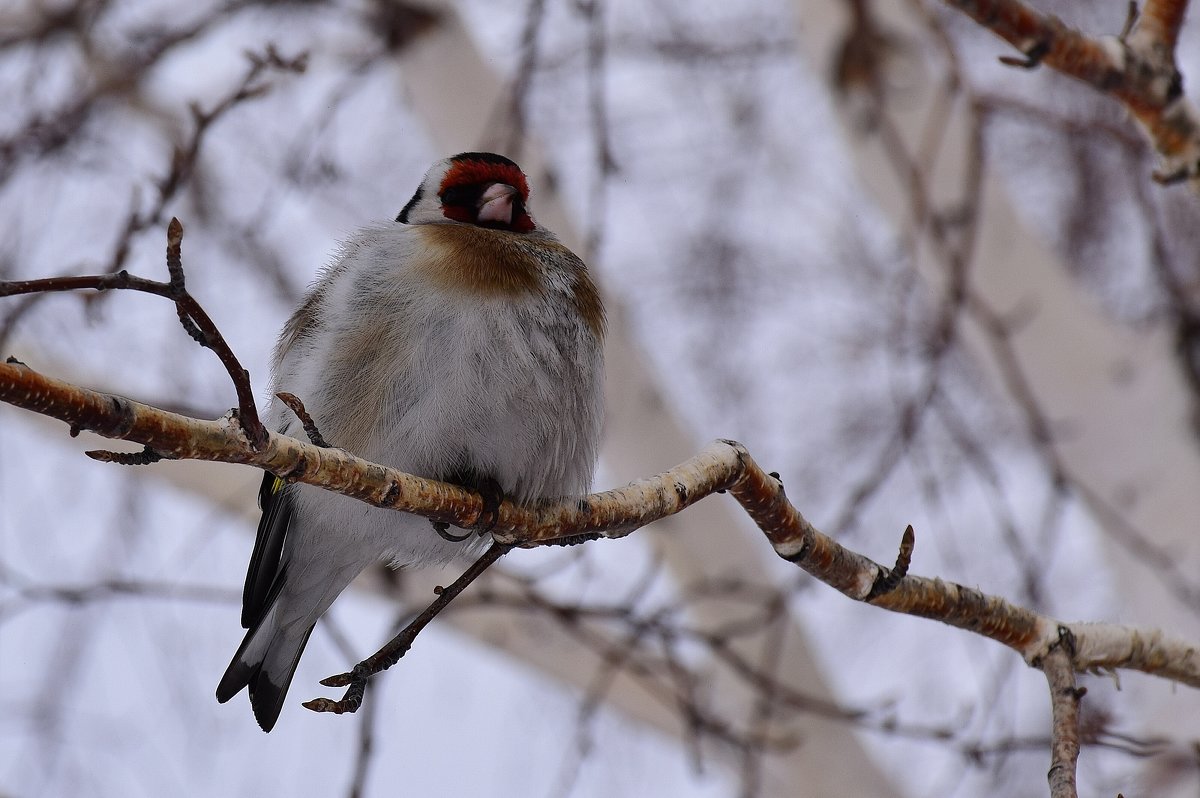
462	342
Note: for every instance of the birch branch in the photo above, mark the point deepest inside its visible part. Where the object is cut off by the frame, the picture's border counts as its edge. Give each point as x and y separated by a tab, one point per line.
721	466
1065	698
1137	68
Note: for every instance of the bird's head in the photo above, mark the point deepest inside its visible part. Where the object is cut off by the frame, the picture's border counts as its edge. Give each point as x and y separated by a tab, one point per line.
476	188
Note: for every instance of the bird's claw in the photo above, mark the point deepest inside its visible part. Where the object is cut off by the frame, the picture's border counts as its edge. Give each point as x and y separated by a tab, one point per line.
493	495
443	530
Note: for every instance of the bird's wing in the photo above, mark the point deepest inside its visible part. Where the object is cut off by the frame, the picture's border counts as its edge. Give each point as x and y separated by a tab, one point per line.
275	498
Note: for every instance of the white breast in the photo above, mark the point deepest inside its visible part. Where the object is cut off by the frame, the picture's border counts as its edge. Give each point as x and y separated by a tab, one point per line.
432	380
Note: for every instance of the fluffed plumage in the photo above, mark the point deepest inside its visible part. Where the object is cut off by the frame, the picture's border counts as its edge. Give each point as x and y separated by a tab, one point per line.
463	343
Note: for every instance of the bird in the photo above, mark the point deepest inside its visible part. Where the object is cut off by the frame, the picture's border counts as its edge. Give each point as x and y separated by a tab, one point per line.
461	342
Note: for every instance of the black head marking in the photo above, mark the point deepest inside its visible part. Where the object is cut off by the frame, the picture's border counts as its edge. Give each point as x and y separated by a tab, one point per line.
402	217
485	157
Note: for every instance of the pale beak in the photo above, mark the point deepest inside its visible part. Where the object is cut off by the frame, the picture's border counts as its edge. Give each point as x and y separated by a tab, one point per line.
496	204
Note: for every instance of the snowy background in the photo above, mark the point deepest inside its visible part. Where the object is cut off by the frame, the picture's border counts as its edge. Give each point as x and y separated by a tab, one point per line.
700	157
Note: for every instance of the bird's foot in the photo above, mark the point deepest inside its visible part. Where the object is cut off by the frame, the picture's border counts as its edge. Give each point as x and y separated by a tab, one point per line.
493	496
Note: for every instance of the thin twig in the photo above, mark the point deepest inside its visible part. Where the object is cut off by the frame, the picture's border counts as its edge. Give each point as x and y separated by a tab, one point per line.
184	158
295	404
1065	698
888	579
192	316
356	680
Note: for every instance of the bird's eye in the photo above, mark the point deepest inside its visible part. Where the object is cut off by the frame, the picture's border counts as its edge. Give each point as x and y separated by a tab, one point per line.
462	196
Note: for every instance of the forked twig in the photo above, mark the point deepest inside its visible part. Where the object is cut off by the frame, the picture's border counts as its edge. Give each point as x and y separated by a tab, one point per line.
356	680
192	316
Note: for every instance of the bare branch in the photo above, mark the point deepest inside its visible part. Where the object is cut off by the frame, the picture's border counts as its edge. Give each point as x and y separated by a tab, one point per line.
1138	70
1159	23
1064	701
185	157
355	681
296	405
722	465
192	316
